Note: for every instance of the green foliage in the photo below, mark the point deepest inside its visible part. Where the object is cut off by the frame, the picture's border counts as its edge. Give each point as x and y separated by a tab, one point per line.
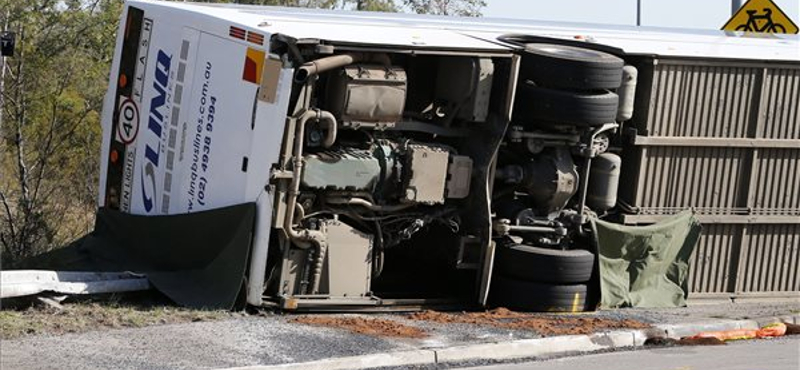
50	132
462	8
319	4
375	5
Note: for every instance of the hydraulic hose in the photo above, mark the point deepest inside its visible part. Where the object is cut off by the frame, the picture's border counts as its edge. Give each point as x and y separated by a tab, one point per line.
368	205
294	188
302	237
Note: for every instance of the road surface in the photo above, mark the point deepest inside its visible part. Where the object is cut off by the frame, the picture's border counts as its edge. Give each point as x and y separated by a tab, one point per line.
775	354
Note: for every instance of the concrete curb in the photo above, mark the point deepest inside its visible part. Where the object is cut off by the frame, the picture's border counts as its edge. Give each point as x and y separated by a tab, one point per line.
402	358
525	348
678	331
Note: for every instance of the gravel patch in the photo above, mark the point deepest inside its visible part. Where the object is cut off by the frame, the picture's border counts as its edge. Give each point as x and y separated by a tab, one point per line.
91	316
239	342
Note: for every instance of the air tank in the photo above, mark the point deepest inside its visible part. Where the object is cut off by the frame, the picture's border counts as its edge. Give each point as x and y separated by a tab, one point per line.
603	182
627	93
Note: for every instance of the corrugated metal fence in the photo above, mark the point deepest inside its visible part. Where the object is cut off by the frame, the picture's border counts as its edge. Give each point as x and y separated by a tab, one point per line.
722	137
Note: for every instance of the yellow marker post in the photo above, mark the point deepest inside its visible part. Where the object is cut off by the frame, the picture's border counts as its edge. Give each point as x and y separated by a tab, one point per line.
575	300
761	16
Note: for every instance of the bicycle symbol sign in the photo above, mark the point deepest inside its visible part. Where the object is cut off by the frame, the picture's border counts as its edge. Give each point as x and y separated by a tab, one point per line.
760	16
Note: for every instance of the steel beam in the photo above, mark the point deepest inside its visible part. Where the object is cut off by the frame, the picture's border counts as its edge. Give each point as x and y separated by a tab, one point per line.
719	142
718	219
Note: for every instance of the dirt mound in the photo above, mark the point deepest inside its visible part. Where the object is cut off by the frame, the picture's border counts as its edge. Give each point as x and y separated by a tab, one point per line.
572	325
543	324
477	318
360	325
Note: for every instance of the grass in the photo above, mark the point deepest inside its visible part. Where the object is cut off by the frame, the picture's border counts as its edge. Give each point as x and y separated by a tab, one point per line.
32	318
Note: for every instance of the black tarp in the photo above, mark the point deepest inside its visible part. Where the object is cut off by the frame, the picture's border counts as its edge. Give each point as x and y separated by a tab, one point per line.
196	259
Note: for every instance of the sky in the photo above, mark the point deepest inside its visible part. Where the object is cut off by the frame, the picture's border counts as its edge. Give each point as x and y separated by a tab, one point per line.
698	14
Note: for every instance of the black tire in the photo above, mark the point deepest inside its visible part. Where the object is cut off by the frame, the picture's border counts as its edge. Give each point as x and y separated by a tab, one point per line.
539	106
529	296
569	67
544	265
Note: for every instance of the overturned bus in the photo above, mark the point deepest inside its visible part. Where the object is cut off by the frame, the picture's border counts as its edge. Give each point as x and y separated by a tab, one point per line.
392	160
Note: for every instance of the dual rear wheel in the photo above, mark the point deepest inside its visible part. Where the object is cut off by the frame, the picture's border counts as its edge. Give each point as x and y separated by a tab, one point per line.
560	86
529	278
567	85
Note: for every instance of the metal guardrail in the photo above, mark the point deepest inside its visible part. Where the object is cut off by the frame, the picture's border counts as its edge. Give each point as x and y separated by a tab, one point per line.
20	283
714	142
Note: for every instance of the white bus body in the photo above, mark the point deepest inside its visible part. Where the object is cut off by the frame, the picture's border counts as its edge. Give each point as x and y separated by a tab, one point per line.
203	103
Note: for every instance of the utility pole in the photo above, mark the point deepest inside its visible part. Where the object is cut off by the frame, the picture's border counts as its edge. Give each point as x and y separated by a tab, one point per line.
735	6
3	73
2	90
638	13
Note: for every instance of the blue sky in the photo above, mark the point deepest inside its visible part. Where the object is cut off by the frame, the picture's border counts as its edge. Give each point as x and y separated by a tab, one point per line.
701	14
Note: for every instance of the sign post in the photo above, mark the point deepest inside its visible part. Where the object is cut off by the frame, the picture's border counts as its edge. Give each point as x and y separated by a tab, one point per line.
7	43
735	6
760	16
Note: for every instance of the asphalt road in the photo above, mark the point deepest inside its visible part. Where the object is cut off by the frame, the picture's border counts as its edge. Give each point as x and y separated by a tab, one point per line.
274	339
777	354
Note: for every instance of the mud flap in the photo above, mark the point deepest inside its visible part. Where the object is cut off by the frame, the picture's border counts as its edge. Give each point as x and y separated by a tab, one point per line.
486	274
197	259
486	145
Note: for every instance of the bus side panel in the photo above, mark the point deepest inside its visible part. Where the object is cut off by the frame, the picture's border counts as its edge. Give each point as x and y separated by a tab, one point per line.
216	136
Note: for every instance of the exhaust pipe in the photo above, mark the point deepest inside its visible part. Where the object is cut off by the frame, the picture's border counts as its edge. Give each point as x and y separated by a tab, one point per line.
326	64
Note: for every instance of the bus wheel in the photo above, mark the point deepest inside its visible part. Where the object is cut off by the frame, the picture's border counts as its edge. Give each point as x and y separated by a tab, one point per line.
545	265
572	68
529	296
581	109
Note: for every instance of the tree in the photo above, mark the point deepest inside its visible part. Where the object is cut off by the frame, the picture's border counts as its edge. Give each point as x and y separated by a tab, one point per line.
319	4
49	140
363	5
470	8
463	8
375	5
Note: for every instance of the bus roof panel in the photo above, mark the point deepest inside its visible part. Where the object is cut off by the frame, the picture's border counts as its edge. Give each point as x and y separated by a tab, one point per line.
426	31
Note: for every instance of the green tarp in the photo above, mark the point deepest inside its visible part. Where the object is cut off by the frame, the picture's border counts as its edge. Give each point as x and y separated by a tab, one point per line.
646	266
197	259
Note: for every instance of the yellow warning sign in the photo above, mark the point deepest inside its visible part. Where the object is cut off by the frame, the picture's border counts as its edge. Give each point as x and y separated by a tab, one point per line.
760	16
